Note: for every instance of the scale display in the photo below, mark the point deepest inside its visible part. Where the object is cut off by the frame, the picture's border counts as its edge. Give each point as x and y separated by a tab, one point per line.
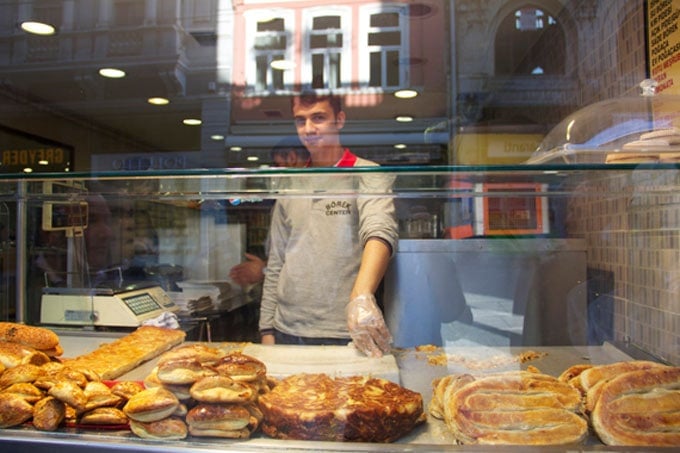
125	308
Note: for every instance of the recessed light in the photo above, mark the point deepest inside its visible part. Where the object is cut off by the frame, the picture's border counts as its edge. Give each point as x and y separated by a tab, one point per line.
404	118
400	146
43	162
38	28
112	73
158	101
282	65
192	121
236	148
405	94
217	137
253	158
28	170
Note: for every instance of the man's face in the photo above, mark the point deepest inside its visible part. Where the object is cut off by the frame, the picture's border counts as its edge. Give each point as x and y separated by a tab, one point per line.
317	125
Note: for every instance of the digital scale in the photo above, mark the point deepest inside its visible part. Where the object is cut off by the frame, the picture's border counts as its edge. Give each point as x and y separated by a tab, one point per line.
127	305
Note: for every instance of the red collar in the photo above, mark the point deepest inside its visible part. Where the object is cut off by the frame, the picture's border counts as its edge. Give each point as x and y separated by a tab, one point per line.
347	160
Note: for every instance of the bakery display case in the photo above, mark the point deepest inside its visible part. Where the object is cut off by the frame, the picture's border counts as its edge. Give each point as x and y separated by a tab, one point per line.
595	288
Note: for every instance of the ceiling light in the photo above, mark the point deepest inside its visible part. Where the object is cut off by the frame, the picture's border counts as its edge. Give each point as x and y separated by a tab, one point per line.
38	28
253	158
192	121
217	137
43	162
404	118
405	94
28	170
158	101
400	146
282	65
111	73
236	148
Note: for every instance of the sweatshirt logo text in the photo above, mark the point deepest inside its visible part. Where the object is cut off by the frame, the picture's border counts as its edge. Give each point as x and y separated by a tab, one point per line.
338	208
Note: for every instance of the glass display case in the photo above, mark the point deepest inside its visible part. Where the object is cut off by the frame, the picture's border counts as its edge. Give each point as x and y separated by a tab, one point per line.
596	285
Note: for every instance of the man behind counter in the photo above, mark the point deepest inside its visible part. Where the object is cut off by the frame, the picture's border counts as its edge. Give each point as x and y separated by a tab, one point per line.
328	256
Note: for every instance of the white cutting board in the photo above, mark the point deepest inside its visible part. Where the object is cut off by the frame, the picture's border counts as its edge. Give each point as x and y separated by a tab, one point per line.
284	360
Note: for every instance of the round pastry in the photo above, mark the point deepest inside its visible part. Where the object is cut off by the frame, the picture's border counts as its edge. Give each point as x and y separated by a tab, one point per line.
591	376
222	389
48	413
35	337
203	353
126	389
170	428
151	404
357	408
182	371
103	416
240	367
99	395
234	421
69	393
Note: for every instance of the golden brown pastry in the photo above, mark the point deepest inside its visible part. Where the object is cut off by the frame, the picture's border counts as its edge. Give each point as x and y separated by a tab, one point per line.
48	414
26	390
517	408
151	404
354	408
640	408
126	389
439	386
98	395
70	393
170	428
114	359
181	391
240	367
34	337
20	373
203	353
103	416
573	371
222	389
588	378
182	371
14	410
221	420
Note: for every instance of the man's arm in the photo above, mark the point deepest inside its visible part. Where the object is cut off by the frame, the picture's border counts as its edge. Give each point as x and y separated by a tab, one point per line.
374	261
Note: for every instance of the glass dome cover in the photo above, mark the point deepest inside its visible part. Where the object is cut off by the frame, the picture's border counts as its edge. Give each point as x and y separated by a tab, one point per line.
643	128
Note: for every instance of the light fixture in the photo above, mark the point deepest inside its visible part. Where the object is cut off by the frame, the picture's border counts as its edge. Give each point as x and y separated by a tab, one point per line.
158	101
253	158
282	65
28	170
43	162
405	94
112	73
236	148
404	118
191	121
38	28
217	137
400	146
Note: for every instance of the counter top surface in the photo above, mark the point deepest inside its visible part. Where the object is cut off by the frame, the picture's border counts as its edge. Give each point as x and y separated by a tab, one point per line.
416	370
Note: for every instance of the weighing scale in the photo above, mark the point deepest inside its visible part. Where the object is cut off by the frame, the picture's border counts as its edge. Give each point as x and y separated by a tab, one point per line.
124	305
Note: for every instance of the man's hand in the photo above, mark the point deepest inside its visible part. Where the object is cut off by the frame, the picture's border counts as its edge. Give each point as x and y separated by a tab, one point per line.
367	326
249	272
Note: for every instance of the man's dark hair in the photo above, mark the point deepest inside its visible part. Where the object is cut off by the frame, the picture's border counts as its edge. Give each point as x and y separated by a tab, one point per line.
308	98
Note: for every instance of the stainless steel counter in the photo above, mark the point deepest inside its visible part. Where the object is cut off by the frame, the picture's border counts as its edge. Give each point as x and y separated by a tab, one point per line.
416	372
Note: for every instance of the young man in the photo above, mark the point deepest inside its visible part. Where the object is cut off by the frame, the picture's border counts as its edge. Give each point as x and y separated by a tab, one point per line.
328	254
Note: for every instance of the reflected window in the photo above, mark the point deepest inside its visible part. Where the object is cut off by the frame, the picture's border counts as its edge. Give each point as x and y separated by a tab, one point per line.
327	48
385	44
128	13
530	42
268	40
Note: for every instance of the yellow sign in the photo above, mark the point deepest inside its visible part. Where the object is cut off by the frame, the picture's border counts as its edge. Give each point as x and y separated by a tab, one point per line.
664	44
33	157
494	148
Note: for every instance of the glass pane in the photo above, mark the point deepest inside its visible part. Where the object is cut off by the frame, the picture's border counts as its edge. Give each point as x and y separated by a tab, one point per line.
385	20
325	22
392	38
271	25
375	79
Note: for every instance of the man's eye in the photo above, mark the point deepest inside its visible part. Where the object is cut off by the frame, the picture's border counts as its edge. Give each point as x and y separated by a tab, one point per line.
318	118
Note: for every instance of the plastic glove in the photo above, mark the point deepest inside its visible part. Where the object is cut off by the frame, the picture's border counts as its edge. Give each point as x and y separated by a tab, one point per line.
367	326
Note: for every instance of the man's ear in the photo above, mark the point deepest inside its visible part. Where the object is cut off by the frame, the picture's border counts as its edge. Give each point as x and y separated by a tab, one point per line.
340	119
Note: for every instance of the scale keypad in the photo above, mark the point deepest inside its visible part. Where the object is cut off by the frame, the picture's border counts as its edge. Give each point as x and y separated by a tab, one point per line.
142	303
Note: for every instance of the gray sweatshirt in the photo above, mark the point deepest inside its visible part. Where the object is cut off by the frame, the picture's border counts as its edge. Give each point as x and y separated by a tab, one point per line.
316	244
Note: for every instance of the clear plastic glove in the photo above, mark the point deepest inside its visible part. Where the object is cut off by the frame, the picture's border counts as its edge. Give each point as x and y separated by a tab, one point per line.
367	326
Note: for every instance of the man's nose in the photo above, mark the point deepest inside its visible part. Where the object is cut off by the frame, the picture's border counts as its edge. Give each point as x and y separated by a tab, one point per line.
308	126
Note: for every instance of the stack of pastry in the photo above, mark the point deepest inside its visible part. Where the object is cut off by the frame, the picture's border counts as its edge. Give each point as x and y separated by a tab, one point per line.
219	390
513	408
53	394
635	403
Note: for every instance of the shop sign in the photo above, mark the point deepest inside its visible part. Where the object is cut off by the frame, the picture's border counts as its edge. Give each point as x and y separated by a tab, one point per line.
37	159
663	19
